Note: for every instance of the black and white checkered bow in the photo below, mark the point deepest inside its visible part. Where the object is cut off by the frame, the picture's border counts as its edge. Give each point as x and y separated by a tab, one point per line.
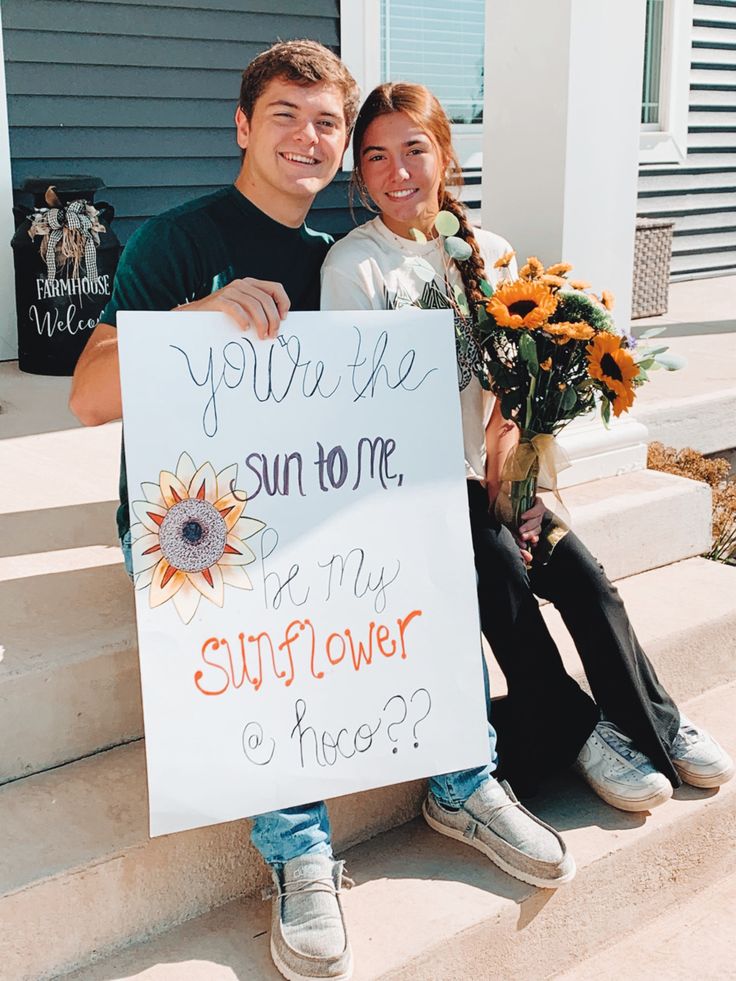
73	215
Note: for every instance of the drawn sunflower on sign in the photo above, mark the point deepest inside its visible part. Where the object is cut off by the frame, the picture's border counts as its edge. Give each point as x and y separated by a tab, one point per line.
189	539
612	364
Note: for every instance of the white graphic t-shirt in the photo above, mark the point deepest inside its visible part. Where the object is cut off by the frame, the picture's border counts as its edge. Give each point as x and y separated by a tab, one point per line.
374	269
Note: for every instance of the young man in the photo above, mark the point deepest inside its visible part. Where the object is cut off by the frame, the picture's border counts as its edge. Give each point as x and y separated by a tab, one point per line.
246	251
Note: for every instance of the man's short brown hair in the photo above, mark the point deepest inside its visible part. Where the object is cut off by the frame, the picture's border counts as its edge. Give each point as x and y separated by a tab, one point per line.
304	62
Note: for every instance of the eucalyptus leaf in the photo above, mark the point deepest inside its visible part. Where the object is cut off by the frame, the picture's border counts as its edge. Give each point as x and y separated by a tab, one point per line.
486	288
423	269
457	248
605	411
528	352
642	376
569	399
460	299
652	352
446	223
671	361
652	332
417	235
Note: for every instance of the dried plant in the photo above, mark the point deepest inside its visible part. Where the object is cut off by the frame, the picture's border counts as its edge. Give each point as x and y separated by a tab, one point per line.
717	473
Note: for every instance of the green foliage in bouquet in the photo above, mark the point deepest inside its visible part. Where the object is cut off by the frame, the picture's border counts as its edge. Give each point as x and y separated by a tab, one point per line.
553	352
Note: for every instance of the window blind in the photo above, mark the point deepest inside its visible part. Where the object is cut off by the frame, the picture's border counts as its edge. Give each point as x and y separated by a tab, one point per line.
652	83
439	45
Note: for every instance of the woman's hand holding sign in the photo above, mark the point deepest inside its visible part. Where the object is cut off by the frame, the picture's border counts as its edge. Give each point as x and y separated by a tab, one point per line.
252	303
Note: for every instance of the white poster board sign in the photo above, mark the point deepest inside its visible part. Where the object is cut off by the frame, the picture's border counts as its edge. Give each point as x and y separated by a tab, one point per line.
305	590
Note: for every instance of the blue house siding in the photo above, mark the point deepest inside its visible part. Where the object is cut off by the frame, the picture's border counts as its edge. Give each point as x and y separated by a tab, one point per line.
144	96
700	194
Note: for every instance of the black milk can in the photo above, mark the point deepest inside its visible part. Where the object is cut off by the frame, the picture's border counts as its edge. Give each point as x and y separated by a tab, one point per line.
65	259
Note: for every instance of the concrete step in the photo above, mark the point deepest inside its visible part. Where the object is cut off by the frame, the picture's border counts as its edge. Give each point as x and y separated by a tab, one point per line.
63	491
639	521
692	939
77	665
428	908
79	874
31	404
69	679
694	407
685	618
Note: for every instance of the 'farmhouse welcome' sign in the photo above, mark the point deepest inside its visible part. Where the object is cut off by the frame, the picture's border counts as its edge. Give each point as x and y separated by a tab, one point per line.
305	589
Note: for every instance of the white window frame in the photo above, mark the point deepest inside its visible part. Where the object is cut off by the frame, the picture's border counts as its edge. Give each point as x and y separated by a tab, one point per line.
360	49
667	142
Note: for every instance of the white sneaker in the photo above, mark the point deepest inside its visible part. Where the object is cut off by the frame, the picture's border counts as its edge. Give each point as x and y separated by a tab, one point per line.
698	758
620	774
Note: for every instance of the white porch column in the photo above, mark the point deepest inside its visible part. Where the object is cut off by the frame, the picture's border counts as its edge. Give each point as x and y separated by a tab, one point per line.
560	160
8	329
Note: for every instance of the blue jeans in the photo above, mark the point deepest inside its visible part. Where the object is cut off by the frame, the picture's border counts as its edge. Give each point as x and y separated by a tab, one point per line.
294	831
281	835
127	550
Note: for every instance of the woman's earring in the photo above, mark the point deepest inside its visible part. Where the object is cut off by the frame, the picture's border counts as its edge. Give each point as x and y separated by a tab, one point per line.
363	193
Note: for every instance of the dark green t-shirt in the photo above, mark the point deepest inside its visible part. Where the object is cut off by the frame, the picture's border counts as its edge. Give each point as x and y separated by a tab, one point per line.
191	251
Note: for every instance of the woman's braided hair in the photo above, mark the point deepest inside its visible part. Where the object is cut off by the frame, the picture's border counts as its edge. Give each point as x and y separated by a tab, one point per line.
423	108
472	269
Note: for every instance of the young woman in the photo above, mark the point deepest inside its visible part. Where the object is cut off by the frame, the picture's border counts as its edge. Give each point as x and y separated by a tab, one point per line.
629	741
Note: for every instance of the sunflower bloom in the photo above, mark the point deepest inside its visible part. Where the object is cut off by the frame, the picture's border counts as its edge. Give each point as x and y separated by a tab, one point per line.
558	269
505	260
533	268
555	281
546	365
607	299
611	364
565	332
580	284
189	539
522	305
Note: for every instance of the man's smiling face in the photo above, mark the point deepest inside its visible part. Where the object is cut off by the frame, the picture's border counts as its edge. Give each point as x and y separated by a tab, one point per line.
294	143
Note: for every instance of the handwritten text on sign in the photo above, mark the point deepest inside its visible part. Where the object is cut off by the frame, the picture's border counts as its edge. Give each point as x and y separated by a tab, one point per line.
305	592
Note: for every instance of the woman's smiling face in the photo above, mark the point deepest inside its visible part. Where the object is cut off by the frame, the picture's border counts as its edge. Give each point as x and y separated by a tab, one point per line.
402	171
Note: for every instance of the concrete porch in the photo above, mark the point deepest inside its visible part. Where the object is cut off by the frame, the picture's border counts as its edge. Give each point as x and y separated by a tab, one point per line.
83	873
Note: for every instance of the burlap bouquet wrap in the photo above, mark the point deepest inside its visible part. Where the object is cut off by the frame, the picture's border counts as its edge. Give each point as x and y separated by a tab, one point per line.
536	460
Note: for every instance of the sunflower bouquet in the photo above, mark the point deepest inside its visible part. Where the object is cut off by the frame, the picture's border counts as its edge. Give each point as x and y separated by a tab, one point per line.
553	352
550	351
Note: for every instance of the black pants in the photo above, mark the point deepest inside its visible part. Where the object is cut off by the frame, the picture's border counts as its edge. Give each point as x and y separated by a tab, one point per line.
547	717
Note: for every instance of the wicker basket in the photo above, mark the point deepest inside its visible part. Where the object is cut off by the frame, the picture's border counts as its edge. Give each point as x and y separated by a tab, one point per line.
652	257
